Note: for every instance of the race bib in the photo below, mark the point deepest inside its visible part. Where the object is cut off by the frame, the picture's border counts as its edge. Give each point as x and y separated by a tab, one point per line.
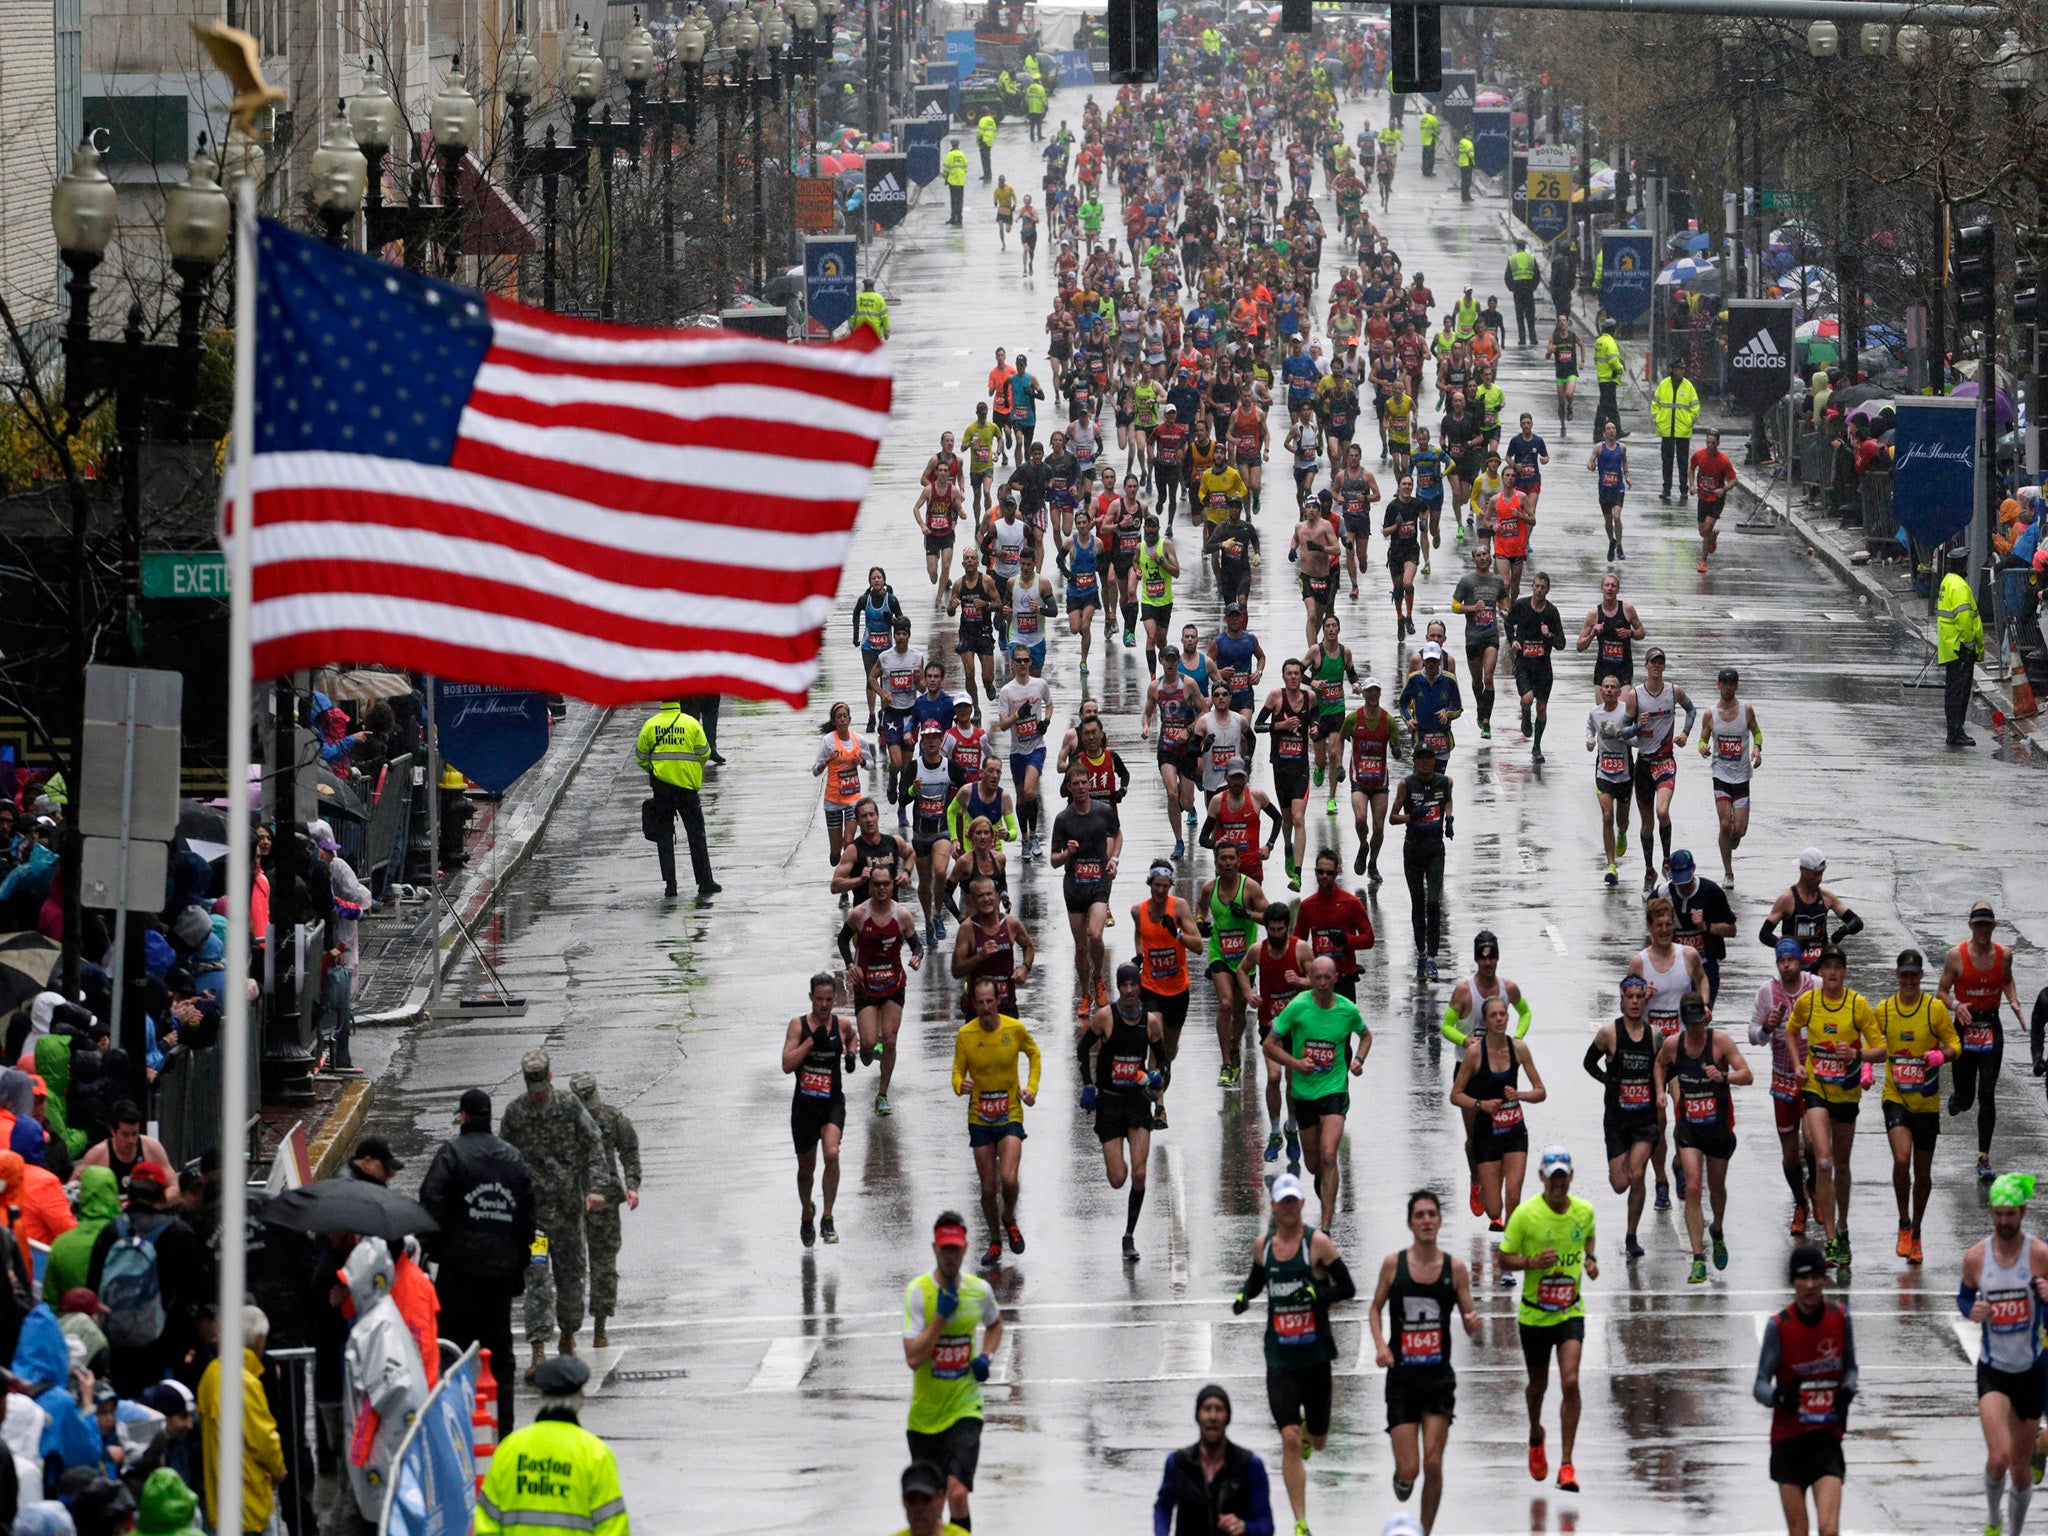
1506	1117
1321	1055
1556	1293
814	1082
1329	689
1663	770
1910	1073
1295	1326
952	1356
1230	943
1087	871
1612	765
1535	650
1976	1037
1817	1399
993	1107
2010	1309
1127	1071
881	978
1832	1070
846	779
1291	747
1785	1087
1702	1108
1422	1346
1632	1095
1172	733
1728	749
1163	964
1155	588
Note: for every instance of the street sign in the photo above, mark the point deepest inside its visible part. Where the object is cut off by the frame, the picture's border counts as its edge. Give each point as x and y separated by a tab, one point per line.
1785	202
123	788
184	573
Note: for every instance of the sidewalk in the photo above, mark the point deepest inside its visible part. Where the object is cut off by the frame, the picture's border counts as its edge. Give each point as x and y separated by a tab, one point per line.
1888	588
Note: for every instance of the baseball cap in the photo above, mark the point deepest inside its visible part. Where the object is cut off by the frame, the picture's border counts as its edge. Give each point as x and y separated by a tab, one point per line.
1729	675
922	1480
1807	1260
1432	652
82	1298
1982	913
1910	962
380	1149
1369	684
1555	1160
1832	955
1682	866
963	702
1286	1187
1791	949
931	728
475	1104
1238	768
1813	858
329	845
1655	653
152	1173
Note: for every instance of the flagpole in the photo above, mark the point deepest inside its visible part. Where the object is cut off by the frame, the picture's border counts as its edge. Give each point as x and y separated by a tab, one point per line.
234	1113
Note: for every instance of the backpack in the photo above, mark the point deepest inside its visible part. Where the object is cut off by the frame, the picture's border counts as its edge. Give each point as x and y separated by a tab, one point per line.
131	1289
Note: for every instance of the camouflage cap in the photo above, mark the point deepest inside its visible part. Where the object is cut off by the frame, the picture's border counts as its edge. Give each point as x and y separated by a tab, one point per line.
535	1065
584	1085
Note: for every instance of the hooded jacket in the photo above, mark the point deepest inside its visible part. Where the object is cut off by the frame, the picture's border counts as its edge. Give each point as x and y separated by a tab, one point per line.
42	1358
166	1505
262	1449
70	1260
53	1066
384	1383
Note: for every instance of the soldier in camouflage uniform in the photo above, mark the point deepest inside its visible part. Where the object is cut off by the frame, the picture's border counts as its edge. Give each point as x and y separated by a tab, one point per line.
621	1150
564	1152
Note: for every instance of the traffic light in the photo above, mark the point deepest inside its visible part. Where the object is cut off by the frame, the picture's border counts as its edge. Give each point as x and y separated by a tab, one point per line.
1133	42
1297	15
1418	48
1973	264
2026	296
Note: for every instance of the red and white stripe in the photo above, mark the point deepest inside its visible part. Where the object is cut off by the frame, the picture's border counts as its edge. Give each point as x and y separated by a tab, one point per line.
628	515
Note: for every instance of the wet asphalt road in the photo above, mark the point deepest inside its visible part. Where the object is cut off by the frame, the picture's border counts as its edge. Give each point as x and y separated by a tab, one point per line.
754	1386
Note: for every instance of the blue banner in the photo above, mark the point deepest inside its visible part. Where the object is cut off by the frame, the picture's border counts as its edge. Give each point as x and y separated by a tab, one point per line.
923	145
492	735
1934	467
831	279
1461	88
960	49
433	1492
1490	140
1628	263
1076	68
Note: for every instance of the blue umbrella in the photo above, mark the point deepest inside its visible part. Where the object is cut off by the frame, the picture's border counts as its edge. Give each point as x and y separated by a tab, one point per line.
1690	240
1690	272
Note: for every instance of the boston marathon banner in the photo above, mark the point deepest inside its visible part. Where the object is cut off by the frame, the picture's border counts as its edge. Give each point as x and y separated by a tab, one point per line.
1934	466
1626	267
830	283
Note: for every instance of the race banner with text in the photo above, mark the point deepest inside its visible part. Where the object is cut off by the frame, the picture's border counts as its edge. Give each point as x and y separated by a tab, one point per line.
492	735
923	147
831	282
1759	352
1461	90
1627	264
1492	140
1934	466
888	190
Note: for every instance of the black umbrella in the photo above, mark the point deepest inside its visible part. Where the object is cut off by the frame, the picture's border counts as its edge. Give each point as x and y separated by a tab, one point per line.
28	961
349	1205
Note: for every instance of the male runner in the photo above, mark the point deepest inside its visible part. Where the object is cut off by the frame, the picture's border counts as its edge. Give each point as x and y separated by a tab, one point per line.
1230	907
1318	547
1287	718
1733	742
1840	1032
1609	461
871	943
1422	804
1311	1038
1131	1068
1628	1048
1550	1240
815	1048
1653	705
1918	1038
985	1052
2005	1291
1712	474
1024	709
941	1312
1610	735
1334	922
1769	1024
1278	970
1696	1067
979	600
1163	928
1535	630
1402	525
1804	909
1375	734
1806	1375
1615	625
1975	977
900	675
1420	1287
1303	1276
1479	596
1086	842
991	945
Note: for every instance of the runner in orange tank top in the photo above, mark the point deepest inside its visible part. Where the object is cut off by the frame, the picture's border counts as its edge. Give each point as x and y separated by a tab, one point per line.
1975	977
1164	926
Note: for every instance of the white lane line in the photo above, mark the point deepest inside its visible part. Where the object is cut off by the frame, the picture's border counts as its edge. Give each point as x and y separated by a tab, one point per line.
1189	1350
1762	1321
782	1368
1000	1362
1556	939
1969	1337
1176	1220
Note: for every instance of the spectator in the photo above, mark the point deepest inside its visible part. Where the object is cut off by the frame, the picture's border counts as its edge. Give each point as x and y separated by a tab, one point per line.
57	1155
1213	1481
262	1447
478	1189
165	1506
125	1148
27	885
384	1386
45	1211
78	1314
419	1306
373	1162
21	1465
100	1506
175	1446
153	1275
70	1259
42	1363
17	1101
351	900
2011	520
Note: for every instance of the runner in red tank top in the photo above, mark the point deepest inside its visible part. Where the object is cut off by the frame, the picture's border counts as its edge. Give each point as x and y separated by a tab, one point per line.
1975	977
1278	967
871	943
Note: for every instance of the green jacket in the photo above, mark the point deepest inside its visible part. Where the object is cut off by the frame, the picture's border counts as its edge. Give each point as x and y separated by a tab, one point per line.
1607	363
53	1066
1427	127
956	167
1956	624
167	1506
673	748
99	1202
985	131
872	311
1466	153
1674	407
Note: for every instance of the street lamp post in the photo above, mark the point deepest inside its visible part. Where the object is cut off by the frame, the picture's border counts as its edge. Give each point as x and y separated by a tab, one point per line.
340	179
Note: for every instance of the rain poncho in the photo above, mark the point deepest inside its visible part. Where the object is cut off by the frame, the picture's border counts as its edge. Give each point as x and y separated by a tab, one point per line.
70	1260
53	1066
42	1358
166	1506
381	1369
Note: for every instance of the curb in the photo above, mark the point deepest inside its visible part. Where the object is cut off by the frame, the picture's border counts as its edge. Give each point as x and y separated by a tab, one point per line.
337	1133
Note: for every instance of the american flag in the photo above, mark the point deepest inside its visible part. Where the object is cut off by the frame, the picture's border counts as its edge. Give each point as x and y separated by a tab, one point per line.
469	487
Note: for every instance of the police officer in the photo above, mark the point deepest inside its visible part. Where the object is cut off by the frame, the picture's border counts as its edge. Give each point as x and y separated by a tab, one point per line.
1034	109
956	178
1522	276
1429	127
1608	368
1467	154
871	310
1674	408
672	751
621	1153
985	136
554	1473
564	1154
1959	640
478	1189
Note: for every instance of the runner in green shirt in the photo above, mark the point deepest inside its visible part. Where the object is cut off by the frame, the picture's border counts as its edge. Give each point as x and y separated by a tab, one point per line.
941	1311
1550	1239
1312	1039
1229	909
1091	217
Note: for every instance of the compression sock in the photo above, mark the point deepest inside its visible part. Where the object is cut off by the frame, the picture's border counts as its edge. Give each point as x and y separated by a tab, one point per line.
1795	1180
1536	742
2022	1495
1994	1496
1136	1204
1130	615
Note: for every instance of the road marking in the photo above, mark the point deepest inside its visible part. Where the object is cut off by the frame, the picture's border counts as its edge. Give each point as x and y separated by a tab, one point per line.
1005	1356
1969	1336
1176	1220
782	1368
1188	1350
952	384
1556	939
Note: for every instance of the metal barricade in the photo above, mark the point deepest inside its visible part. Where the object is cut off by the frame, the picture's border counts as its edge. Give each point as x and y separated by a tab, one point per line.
1880	528
292	1404
1814	462
185	1099
390	825
2007	586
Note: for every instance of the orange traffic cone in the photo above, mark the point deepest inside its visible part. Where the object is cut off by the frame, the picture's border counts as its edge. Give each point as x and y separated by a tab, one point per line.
483	1416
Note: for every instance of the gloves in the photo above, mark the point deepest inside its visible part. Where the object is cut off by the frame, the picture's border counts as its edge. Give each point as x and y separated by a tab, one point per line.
948	1303
1450	827
1087	1095
1238	1306
980	1367
1155	1081
1935	1058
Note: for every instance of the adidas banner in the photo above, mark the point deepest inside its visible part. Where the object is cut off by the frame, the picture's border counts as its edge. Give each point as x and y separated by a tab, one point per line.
1759	352
888	190
1461	91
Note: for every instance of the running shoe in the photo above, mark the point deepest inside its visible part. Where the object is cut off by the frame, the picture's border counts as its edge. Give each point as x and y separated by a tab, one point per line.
806	1232
1539	1464
1301	1526
1130	638
1799	1222
1101	993
827	1231
938	929
1917	1257
1159	1117
1631	1249
1425	571
1905	1244
1703	567
1374	879
1663	1197
1842	1236
1485	734
1317	778
1130	1249
1273	1147
1496	1226
882	1104
1330	806
1720	1241
1478	1201
1567	1478
1016	1236
1461	533
1613	875
1293	1146
1354	594
1536	754
1223	1075
1699	1270
992	1255
1180	849
1429	967
1358	864
1084	669
1983	1165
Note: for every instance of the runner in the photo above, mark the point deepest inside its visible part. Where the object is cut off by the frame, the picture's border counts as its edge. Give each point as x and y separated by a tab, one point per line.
816	1047
1615	625
1918	1038
1733	742
1237	661
1030	599
1158	565
1610	734
992	945
1652	706
1609	460
1563	352
1806	1375
1335	923
1804	909
1163	927
1024	708
1975	976
1084	584
1402	524
1086	842
1705	922
999	393
1318	546
1628	1048
1303	1276
1840	1033
1278	969
870	846
1422	804
1230	905
941	1312
2004	1291
1550	1240
842	754
1329	665
937	512
931	803
1430	700
1712	474
1479	596
1420	1286
1132	1069
1374	735
1287	718
1489	1084
983	439
978	598
1770	1019
1356	490
1696	1067
876	613
900	675
985	1052
871	943
1535	631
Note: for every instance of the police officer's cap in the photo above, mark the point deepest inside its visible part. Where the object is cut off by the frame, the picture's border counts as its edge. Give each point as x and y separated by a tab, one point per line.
561	1376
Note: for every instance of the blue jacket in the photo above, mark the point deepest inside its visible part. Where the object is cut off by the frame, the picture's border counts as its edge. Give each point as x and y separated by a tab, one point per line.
1189	1505
35	877
42	1358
